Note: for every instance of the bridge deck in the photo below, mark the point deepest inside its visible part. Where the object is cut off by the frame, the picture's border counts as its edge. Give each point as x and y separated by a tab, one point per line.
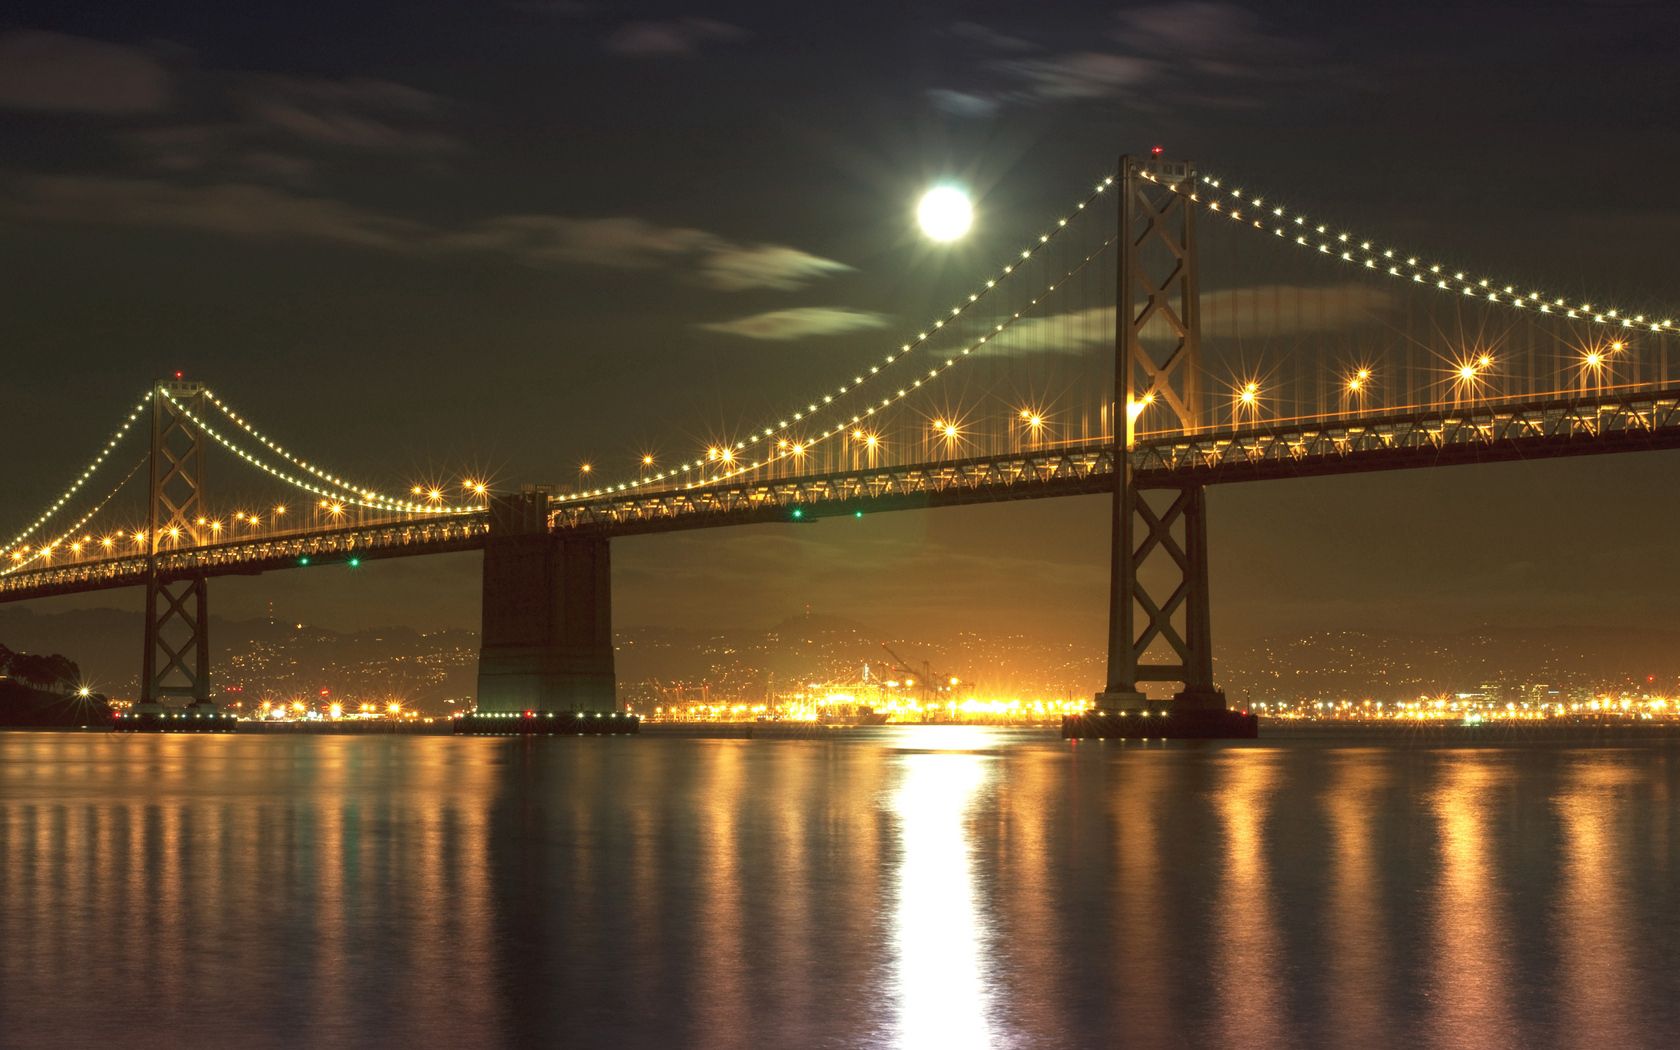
1469	434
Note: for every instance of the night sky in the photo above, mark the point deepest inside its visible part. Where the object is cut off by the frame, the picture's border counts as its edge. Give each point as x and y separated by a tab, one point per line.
427	240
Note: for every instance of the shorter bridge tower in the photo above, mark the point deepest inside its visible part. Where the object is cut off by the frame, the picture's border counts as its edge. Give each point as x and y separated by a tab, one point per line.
176	662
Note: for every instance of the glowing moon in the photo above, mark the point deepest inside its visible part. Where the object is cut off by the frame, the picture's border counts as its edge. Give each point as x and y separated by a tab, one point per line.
945	213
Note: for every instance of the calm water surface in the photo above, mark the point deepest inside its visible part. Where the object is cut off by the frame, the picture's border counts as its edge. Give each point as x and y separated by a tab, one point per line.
901	887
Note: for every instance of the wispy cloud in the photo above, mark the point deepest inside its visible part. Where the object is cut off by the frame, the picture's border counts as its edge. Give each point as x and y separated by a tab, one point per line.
1205	51
962	103
986	36
619	243
800	322
238	210
677	36
287	129
734	268
633	243
242	209
359	112
1081	74
57	72
1257	310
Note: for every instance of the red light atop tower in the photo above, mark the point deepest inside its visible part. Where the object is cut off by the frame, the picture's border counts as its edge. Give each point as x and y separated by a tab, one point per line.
177	373
1156	151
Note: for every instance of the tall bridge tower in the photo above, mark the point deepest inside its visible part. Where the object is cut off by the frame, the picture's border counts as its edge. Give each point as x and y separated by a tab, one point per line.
1158	532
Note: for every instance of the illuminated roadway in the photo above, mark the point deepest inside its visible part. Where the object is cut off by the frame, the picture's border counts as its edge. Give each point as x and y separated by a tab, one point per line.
1635	420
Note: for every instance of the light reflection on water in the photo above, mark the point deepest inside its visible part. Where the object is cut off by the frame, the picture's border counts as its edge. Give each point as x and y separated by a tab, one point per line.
896	887
941	990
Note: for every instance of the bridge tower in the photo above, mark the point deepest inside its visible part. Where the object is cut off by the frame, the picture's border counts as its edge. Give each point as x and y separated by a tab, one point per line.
177	656
546	662
1160	533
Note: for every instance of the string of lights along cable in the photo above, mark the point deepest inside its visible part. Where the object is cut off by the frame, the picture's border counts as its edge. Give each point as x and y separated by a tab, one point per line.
1304	329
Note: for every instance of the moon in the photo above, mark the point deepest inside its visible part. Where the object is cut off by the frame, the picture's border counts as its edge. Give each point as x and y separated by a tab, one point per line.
945	213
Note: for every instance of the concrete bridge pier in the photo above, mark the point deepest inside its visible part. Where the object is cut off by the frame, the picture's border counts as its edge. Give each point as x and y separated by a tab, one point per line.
546	662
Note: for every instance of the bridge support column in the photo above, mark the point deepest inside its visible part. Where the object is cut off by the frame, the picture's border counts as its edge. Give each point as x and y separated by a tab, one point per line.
546	662
1158	385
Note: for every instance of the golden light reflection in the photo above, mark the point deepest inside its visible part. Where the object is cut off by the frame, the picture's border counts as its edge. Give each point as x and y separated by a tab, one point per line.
941	991
1471	978
1249	956
1356	933
1142	937
1596	962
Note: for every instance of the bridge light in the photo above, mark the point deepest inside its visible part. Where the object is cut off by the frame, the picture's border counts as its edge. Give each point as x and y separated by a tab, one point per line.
798	512
1484	361
1467	372
857	513
279	509
872	441
415	491
304	560
355	562
1618	346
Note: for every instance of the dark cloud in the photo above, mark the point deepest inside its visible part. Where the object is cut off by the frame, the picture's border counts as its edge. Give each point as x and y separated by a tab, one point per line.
679	36
57	72
800	323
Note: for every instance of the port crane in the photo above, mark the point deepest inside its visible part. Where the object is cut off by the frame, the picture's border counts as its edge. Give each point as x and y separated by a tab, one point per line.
931	684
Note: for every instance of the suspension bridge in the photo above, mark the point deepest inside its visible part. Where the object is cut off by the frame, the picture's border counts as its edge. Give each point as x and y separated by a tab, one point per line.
1171	330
